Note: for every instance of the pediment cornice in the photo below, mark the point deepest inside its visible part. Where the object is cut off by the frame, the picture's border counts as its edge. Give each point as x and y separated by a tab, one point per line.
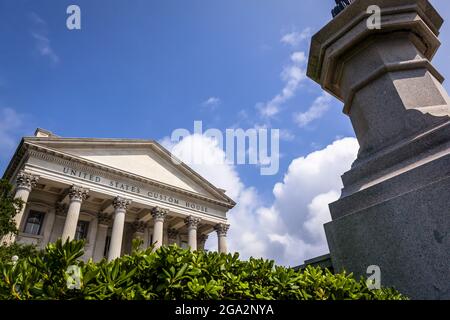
30	148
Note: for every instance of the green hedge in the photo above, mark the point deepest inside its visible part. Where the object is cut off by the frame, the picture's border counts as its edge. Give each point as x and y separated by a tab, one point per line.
173	273
15	249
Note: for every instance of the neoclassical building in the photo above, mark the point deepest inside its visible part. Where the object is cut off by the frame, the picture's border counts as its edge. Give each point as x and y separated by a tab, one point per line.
111	191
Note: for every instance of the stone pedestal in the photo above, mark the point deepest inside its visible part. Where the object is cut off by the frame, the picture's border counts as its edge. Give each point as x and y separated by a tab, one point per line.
393	211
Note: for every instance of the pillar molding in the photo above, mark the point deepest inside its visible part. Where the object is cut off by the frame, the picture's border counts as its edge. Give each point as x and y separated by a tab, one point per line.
26	181
159	215
222	230
77	195
104	219
139	226
192	225
60	210
120	206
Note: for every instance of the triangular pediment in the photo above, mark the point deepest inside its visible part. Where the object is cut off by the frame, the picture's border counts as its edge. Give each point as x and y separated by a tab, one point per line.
143	158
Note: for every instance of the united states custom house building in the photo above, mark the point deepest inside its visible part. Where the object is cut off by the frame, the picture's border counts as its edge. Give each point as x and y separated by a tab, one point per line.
109	192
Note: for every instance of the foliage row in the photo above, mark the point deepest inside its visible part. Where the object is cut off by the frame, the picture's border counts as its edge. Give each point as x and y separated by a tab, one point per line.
172	273
8	209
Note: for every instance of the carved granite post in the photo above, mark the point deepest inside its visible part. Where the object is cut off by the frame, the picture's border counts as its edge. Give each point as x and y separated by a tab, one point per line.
394	207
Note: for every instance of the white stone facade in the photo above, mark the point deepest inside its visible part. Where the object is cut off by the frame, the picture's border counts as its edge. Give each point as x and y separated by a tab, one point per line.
111	191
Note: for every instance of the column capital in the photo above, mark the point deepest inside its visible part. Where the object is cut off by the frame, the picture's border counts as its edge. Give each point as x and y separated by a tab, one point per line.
139	226
222	229
192	222
159	213
172	234
61	209
120	203
104	219
26	180
202	238
77	193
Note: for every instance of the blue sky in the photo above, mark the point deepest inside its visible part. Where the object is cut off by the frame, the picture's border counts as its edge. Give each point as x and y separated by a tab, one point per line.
140	69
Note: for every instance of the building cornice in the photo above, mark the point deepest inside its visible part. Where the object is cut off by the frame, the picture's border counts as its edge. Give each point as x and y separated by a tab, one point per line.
97	168
135	143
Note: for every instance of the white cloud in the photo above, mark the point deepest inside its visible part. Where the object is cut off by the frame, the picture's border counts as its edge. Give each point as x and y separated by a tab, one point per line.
42	41
292	76
10	123
301	199
290	229
286	135
37	19
204	155
44	48
319	107
212	102
295	38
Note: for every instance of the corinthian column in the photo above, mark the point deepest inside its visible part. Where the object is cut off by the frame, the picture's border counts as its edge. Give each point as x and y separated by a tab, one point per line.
173	236
138	231
102	232
76	194
115	247
192	224
222	230
25	182
158	214
202	241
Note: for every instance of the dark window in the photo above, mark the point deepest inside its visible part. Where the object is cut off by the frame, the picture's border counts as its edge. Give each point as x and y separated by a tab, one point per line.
82	229
34	222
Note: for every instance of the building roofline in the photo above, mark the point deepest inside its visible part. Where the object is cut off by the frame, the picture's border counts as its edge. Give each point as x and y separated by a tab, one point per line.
34	141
